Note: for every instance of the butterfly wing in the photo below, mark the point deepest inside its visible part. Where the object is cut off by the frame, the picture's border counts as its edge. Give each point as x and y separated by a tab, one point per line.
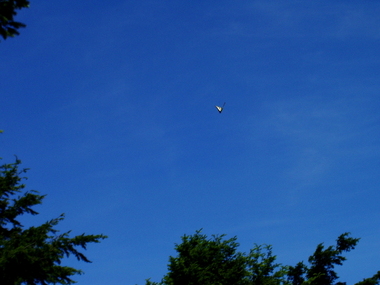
220	109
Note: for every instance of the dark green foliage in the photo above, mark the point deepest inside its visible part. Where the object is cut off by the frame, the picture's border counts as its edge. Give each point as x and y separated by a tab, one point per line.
206	261
262	267
9	27
323	260
33	255
322	263
216	261
296	273
374	280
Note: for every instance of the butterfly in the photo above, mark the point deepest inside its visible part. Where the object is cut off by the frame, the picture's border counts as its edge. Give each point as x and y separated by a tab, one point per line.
220	109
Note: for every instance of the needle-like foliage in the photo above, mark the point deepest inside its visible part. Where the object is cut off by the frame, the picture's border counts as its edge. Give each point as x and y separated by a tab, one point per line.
8	10
33	255
217	261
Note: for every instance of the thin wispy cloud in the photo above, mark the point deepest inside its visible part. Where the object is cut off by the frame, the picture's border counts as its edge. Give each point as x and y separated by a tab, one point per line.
113	109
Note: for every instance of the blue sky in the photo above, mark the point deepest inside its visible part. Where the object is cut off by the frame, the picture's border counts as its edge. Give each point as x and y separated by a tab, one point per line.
111	106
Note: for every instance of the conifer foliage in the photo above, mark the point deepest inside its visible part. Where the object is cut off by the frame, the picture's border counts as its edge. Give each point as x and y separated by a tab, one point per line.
33	255
8	26
217	261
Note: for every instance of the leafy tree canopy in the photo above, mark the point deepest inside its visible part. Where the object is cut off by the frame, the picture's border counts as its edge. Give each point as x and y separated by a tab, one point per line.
33	255
323	260
217	261
374	280
206	261
8	8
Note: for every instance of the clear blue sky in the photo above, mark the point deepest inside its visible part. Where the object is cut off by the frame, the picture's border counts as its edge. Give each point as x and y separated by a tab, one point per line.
111	106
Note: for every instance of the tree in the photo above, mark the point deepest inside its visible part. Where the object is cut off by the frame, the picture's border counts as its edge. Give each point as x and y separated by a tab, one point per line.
33	255
216	261
374	280
262	269
323	260
206	261
296	273
8	8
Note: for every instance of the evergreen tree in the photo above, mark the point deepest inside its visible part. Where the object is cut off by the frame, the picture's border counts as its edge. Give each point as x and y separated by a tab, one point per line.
216	261
33	255
374	280
262	269
324	260
296	273
206	261
8	8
